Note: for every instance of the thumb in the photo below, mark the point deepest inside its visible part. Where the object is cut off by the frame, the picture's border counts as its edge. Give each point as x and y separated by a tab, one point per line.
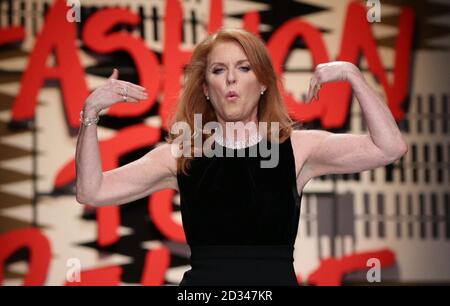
114	75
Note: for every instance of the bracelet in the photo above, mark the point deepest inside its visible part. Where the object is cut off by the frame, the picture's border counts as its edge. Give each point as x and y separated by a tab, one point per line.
88	121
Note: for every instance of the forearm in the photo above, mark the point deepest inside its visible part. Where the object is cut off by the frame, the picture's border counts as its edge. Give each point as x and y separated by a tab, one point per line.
382	127
88	161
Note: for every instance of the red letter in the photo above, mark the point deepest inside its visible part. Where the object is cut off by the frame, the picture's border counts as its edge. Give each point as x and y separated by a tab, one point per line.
11	34
279	46
331	270
97	38
40	253
173	60
157	262
251	22
160	211
362	41
215	16
59	36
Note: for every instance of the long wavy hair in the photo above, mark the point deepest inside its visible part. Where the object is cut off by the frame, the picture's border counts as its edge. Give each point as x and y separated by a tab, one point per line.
271	107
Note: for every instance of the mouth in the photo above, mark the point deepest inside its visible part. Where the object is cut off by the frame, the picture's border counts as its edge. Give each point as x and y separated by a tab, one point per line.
232	96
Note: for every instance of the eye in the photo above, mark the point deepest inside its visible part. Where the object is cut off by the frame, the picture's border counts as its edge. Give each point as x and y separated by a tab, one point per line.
217	70
245	68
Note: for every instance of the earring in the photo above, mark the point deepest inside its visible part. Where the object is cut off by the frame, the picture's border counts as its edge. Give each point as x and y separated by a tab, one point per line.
262	92
207	97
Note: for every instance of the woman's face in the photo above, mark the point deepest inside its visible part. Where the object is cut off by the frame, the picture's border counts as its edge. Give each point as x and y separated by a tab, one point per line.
231	85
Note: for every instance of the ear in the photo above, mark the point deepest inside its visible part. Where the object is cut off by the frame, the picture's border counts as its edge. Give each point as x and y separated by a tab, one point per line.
205	89
263	87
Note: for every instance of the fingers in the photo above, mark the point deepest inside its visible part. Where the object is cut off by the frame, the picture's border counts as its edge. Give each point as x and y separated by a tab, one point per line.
309	96
124	84
114	75
137	93
316	91
135	86
130	93
313	90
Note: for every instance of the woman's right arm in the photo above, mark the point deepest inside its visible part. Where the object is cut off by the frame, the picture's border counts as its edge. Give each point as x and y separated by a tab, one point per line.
87	160
154	171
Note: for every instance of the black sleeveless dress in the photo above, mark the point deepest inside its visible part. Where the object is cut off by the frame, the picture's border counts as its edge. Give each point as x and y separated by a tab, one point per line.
240	219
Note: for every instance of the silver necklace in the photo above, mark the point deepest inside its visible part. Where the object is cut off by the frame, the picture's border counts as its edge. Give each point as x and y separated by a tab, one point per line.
238	144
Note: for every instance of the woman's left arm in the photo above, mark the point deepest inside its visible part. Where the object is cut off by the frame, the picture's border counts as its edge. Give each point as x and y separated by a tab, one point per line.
348	153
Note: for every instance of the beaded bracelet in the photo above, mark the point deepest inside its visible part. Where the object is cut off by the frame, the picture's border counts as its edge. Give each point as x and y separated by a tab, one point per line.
88	121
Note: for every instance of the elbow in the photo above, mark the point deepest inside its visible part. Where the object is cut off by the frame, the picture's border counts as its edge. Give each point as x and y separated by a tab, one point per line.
80	200
86	195
403	149
84	199
400	151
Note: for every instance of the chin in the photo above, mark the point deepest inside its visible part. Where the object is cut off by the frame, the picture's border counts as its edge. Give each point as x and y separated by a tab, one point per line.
234	117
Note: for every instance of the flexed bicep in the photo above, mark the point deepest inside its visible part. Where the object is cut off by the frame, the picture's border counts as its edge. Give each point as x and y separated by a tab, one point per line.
338	153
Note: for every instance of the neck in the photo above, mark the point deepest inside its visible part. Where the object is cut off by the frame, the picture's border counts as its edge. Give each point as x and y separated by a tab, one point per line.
239	130
238	134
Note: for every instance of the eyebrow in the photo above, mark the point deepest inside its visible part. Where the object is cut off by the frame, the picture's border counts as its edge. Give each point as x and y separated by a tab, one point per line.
238	62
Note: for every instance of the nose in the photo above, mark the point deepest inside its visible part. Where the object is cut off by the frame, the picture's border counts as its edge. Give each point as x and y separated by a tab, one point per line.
231	78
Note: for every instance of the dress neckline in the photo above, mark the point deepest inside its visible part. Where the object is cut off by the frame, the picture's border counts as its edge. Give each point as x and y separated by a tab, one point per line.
238	145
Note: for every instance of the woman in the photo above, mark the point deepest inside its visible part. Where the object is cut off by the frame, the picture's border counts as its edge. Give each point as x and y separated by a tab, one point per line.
240	219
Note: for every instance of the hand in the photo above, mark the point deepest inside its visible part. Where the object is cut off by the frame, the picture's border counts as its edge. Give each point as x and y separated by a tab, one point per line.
114	91
330	72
